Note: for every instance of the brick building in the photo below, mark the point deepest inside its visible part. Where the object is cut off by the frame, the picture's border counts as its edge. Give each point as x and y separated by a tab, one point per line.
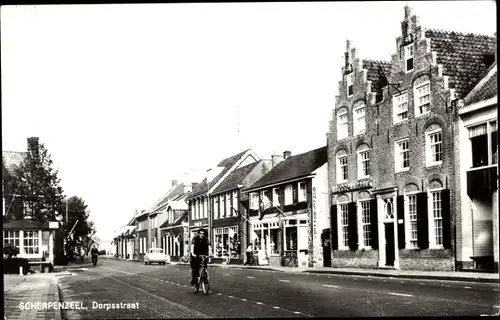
391	150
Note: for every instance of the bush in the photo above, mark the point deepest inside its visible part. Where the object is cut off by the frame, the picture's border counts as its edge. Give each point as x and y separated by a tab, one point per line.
11	266
10	250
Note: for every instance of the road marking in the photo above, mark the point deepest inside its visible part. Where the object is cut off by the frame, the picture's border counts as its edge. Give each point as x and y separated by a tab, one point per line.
276	307
329	286
284	280
219	294
296	312
231	297
401	294
467	287
258	302
192	312
244	299
249	277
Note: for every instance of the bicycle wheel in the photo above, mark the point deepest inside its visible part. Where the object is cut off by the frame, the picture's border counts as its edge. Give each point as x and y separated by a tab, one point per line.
205	284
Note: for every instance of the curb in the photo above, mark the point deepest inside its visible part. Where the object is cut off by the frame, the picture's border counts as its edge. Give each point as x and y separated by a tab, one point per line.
62	312
404	276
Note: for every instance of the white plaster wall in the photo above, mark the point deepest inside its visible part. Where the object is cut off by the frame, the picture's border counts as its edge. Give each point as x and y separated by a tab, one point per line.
320	183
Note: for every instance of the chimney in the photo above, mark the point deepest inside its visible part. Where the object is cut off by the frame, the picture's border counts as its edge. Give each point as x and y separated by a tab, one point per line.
174	183
287	154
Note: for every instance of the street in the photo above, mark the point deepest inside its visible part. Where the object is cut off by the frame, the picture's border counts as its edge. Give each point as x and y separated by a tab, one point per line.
164	292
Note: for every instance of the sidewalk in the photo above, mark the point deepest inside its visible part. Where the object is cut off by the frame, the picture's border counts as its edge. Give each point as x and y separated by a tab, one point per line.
87	262
21	292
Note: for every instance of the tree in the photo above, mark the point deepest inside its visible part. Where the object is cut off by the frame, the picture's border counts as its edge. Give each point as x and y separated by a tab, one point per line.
77	211
38	183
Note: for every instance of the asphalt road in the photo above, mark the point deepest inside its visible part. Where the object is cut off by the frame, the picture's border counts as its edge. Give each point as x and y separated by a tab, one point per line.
164	292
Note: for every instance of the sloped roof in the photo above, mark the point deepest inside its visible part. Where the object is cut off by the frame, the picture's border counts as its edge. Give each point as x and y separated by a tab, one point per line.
227	164
161	202
465	57
376	69
294	167
235	178
178	202
177	222
12	159
487	88
25	224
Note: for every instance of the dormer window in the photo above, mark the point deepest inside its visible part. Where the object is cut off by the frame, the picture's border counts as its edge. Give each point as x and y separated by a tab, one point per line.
350	88
409	58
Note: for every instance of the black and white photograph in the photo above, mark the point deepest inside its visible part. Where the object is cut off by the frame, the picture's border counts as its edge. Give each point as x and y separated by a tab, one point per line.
250	160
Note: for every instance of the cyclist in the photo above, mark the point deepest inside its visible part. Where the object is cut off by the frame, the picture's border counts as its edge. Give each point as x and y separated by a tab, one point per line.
199	246
95	254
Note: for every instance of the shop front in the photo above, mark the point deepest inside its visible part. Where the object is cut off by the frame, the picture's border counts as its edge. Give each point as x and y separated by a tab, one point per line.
227	247
281	241
172	242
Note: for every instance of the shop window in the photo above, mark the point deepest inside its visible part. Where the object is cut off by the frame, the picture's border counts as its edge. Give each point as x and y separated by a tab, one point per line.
290	238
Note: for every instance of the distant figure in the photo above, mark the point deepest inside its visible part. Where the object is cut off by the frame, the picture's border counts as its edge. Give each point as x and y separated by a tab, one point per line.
95	254
249	253
82	254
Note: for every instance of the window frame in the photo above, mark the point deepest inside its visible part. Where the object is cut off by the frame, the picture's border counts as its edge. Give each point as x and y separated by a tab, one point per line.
356	125
489	135
361	224
416	98
340	176
340	229
431	220
407	57
429	158
38	237
397	155
395	107
300	195
228	205
6	239
342	126
349	84
288	194
362	150
407	220
234	203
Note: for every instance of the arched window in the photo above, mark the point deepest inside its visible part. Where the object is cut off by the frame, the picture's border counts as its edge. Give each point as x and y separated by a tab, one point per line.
342	166
359	118
342	124
363	154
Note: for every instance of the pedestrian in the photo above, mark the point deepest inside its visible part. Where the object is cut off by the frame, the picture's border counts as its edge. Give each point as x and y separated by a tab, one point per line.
249	253
95	254
82	255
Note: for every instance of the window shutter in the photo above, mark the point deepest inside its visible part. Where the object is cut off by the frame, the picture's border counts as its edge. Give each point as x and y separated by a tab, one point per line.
401	227
295	193
374	222
352	226
334	228
422	221
445	205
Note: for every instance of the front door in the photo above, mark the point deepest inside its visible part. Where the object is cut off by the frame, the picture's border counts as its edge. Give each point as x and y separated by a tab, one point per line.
389	244
327	253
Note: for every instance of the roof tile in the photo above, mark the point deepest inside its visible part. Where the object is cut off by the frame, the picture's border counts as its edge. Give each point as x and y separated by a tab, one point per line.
235	178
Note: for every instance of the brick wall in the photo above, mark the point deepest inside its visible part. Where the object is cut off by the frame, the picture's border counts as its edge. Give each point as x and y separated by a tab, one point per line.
382	133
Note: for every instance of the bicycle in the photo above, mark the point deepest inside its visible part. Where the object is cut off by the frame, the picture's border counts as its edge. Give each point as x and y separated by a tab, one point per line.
203	276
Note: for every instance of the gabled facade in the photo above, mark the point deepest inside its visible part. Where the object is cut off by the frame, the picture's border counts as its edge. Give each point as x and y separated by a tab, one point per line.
199	200
391	153
477	149
288	211
174	230
229	225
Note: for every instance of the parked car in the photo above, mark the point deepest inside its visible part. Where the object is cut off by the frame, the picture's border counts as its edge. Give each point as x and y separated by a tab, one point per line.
155	255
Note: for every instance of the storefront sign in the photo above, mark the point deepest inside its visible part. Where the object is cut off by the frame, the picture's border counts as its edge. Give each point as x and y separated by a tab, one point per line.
198	224
354	186
53	224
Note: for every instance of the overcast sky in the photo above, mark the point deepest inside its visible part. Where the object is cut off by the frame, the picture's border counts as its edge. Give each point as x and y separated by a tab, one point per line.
128	97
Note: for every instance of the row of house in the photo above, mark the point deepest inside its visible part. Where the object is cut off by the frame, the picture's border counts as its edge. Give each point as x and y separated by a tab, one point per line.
407	179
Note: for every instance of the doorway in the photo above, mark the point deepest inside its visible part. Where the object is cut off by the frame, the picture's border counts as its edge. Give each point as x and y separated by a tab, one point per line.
327	253
389	244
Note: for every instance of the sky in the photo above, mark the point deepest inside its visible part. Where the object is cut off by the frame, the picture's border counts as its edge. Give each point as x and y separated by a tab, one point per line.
128	97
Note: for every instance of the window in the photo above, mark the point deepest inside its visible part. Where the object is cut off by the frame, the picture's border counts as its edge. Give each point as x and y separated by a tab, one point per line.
350	89
276	197
27	208
302	192
288	194
342	169
366	238
254	201
193	217
235	203
359	119
344	223
216	207
484	150
434	148
342	124
11	237
31	242
400	105
422	99
411	218
402	155
205	207
228	205
409	57
436	219
363	162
